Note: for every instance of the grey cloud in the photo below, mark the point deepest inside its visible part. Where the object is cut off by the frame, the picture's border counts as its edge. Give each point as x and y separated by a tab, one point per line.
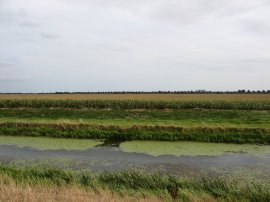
252	26
3	64
48	36
29	24
9	78
18	17
180	11
10	15
11	73
184	12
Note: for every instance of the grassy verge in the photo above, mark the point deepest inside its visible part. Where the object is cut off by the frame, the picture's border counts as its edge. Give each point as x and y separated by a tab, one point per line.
11	191
135	104
239	118
135	183
170	133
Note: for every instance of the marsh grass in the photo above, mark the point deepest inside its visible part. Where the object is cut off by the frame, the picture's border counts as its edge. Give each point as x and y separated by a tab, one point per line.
138	184
162	133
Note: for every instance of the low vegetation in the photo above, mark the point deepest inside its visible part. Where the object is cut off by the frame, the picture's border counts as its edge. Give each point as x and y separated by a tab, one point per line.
11	191
140	184
165	133
225	118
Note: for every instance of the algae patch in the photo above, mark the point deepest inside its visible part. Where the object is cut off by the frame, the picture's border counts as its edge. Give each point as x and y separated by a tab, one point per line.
157	148
45	143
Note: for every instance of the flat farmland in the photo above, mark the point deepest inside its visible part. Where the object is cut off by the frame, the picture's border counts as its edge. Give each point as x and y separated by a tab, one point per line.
160	147
150	96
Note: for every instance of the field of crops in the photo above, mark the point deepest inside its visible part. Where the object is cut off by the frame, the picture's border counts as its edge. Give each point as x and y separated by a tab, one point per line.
227	120
135	104
168	97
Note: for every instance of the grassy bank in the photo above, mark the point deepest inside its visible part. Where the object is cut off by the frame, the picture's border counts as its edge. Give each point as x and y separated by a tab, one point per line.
195	117
138	184
170	133
135	104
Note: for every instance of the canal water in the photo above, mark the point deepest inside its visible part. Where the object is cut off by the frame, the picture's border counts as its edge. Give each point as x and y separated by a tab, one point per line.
186	159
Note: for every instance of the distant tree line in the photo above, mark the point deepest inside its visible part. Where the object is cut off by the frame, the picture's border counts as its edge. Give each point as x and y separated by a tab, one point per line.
173	92
160	92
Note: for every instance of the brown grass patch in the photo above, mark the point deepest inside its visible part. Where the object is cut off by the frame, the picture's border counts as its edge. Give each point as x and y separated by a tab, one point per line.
12	192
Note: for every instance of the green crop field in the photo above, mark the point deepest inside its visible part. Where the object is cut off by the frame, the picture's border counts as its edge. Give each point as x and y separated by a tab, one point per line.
147	96
224	118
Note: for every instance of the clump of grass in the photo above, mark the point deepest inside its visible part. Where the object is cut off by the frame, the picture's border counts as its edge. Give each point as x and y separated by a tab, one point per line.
163	133
132	182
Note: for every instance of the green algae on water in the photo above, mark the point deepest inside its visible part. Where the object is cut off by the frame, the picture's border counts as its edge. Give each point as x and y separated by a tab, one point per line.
45	143
184	148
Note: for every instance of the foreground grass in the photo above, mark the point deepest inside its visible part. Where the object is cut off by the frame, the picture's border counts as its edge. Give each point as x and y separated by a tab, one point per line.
239	118
16	192
170	133
135	184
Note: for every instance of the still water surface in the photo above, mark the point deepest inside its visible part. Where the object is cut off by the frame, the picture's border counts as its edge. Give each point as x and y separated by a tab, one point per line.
180	158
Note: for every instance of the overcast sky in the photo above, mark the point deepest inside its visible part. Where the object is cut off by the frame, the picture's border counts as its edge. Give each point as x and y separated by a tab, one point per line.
104	45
